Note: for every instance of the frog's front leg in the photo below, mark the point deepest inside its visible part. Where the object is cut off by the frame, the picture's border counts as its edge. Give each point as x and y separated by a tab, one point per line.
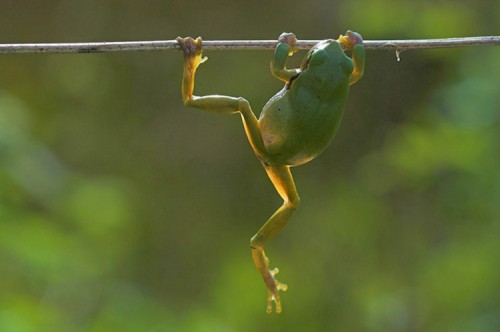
282	179
354	42
284	49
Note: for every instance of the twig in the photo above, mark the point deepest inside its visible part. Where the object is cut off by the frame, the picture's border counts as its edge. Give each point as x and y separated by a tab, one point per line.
97	47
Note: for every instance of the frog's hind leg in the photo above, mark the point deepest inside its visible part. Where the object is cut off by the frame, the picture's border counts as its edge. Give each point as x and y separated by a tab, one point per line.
279	175
192	49
282	179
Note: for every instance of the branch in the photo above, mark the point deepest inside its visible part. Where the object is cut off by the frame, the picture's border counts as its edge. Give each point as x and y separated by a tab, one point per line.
97	47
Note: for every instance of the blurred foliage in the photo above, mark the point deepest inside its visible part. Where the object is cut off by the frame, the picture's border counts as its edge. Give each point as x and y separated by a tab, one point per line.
122	211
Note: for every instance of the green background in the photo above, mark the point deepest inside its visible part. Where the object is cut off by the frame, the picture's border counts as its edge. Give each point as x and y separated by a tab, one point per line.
120	210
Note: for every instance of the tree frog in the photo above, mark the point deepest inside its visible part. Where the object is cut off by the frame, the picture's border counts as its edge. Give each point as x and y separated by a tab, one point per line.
295	125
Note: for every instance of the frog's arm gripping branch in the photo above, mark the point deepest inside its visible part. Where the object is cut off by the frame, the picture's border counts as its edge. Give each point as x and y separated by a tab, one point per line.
284	49
358	57
353	42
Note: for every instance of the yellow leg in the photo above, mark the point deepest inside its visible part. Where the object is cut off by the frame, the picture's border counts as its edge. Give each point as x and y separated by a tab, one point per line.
192	49
279	175
192	59
282	180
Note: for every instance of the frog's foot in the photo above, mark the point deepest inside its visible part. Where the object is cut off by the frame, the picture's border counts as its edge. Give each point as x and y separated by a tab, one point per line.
273	285
350	40
192	49
290	39
192	59
273	288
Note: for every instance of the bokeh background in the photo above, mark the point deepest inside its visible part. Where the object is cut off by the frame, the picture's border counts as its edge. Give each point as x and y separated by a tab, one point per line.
120	210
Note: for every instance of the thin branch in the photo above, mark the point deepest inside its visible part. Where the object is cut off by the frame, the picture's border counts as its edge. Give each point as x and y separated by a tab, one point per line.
97	47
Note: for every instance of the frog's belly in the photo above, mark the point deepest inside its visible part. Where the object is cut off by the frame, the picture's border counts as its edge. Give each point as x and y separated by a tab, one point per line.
294	137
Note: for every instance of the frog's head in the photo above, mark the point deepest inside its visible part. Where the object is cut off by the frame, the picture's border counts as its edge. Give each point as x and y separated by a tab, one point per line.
320	52
331	49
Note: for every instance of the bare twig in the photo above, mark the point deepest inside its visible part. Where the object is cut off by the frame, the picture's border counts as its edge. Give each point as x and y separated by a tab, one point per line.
96	47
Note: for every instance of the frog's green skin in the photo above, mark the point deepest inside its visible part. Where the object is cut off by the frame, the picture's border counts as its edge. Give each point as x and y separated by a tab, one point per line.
299	121
295	126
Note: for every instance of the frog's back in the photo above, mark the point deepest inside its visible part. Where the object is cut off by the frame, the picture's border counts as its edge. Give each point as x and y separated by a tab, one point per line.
299	122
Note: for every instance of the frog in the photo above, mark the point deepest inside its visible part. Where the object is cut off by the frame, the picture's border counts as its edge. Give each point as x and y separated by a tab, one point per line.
294	126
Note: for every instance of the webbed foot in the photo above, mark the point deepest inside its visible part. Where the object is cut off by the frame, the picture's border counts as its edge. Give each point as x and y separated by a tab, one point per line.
290	39
273	285
192	49
350	40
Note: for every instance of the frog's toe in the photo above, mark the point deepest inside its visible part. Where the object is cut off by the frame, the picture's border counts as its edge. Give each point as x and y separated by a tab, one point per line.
273	290
287	37
190	46
192	49
290	39
354	37
350	40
